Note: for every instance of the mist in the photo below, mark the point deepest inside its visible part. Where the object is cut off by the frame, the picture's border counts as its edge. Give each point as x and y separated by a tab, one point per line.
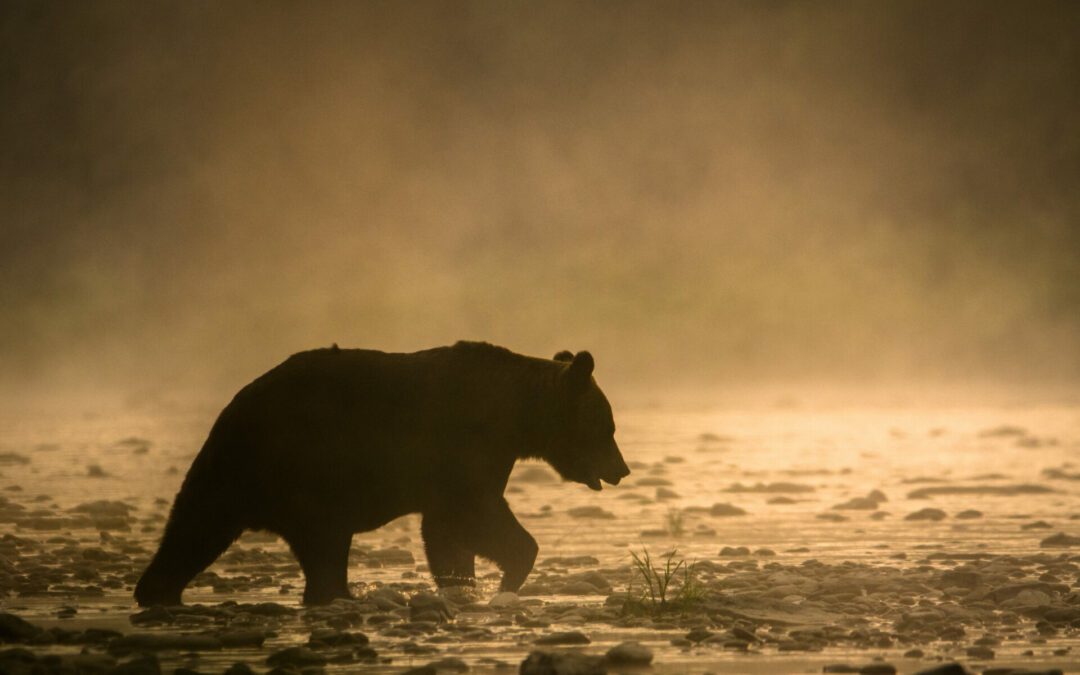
701	194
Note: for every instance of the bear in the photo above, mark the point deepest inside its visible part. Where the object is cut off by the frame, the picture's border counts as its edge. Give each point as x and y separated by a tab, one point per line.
337	441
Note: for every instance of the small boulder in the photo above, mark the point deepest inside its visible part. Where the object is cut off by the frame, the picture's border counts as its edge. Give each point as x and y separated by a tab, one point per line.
926	514
630	654
563	663
572	637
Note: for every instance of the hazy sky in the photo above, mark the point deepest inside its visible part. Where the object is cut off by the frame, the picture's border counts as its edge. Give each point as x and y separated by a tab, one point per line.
700	192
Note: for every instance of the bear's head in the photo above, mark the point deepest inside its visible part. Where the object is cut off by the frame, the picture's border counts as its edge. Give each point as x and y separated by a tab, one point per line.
583	447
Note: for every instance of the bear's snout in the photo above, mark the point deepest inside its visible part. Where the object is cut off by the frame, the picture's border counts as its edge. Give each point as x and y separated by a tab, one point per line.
616	470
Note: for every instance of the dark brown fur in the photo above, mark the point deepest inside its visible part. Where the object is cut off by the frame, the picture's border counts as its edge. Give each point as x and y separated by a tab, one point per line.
336	441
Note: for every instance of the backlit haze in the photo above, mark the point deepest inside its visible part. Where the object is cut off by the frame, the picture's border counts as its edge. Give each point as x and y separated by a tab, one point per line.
707	196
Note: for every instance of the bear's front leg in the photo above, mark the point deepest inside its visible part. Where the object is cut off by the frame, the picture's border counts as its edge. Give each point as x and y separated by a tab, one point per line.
451	562
494	533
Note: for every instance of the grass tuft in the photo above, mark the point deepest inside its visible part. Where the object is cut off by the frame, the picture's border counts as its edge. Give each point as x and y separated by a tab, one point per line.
669	584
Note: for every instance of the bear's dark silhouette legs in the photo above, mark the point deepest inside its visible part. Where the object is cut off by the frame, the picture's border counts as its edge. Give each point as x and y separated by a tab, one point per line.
503	540
489	528
324	557
451	563
187	548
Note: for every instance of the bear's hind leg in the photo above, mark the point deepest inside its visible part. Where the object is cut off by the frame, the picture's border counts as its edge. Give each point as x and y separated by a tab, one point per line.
451	563
324	557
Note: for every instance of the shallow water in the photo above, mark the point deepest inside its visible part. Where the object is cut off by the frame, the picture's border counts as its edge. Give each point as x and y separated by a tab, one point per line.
684	462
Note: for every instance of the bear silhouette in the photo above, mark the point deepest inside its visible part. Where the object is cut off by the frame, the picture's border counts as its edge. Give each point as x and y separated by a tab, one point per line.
337	441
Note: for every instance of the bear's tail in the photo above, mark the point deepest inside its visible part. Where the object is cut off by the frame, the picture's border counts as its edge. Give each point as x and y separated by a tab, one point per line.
202	524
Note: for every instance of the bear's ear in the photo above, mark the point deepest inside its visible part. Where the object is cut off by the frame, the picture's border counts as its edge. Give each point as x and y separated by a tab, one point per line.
564	355
580	370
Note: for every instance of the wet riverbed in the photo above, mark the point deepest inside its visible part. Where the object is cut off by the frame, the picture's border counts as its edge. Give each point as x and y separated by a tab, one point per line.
818	537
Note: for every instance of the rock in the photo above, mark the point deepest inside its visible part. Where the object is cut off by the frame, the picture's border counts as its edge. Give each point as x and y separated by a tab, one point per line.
572	637
988	490
579	588
1011	591
771	488
239	668
430	604
914	654
1060	474
386	599
724	510
1003	431
505	599
1060	540
1030	598
590	512
743	634
562	663
328	637
16	629
298	657
857	503
1037	525
840	668
734	551
980	652
968	514
104	508
698	634
831	517
945	669
630	654
146	664
781	500
878	669
926	514
960	578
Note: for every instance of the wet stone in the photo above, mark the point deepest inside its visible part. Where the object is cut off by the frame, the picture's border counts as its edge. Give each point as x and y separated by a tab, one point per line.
630	653
505	599
296	657
1060	540
722	510
430	607
564	638
930	514
878	669
734	551
698	634
328	637
980	652
562	663
145	664
16	629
